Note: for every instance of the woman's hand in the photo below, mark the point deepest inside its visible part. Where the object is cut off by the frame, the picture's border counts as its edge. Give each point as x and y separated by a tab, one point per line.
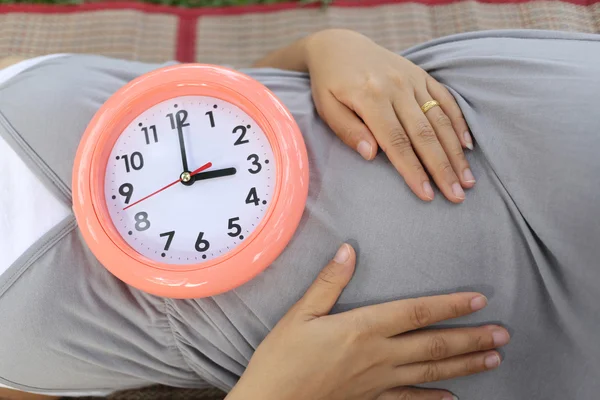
369	95
368	353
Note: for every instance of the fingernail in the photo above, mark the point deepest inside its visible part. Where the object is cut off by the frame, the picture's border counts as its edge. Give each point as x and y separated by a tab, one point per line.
449	397
468	140
468	176
477	303
458	191
500	337
428	190
491	361
342	254
364	149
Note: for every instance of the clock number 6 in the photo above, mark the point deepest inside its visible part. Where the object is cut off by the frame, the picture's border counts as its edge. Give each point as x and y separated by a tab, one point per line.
141	221
254	159
237	229
202	244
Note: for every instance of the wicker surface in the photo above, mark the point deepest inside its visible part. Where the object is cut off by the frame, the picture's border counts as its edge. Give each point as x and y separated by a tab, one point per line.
240	39
239	36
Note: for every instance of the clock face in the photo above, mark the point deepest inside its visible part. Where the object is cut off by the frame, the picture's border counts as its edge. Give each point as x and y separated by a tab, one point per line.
189	180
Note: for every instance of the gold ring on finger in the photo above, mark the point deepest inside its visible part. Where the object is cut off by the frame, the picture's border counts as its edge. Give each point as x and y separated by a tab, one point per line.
429	105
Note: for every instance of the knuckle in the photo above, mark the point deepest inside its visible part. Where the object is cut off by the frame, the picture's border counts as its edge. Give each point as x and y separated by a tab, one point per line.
459	154
398	139
417	168
438	348
347	131
459	119
420	315
328	275
373	86
431	372
398	79
472	365
425	132
443	121
455	310
445	168
482	342
406	395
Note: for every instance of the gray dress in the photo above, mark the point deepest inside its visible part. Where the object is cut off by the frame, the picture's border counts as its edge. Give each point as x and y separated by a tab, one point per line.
528	235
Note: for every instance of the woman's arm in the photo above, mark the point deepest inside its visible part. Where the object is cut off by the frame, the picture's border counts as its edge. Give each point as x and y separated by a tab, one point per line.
372	97
291	58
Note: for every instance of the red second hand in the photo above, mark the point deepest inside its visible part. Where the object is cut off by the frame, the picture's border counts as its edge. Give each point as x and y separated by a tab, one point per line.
202	168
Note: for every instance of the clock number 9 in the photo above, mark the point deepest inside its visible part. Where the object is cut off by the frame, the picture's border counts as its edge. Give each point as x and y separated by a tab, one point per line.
254	159
126	190
202	244
141	221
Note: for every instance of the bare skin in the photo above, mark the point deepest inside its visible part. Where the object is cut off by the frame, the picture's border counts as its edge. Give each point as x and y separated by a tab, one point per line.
370	98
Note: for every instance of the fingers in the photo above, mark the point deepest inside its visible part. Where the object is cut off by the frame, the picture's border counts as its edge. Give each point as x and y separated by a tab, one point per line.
433	371
428	148
445	343
408	393
325	290
449	141
452	110
346	125
396	317
383	122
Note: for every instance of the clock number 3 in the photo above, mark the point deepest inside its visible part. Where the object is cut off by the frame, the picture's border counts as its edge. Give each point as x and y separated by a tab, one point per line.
254	159
202	244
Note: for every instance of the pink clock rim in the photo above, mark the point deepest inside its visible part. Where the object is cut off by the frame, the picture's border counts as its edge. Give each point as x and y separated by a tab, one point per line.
260	249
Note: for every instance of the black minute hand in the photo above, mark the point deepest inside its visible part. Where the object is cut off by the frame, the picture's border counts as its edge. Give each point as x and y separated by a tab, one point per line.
200	176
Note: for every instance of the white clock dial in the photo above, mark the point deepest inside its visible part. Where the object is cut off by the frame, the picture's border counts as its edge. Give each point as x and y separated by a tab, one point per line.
218	208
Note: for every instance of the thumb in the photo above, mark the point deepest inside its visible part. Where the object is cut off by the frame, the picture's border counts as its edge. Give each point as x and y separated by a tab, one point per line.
327	288
346	125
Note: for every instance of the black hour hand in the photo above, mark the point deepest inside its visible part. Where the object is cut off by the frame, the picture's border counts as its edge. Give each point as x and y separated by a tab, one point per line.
201	176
